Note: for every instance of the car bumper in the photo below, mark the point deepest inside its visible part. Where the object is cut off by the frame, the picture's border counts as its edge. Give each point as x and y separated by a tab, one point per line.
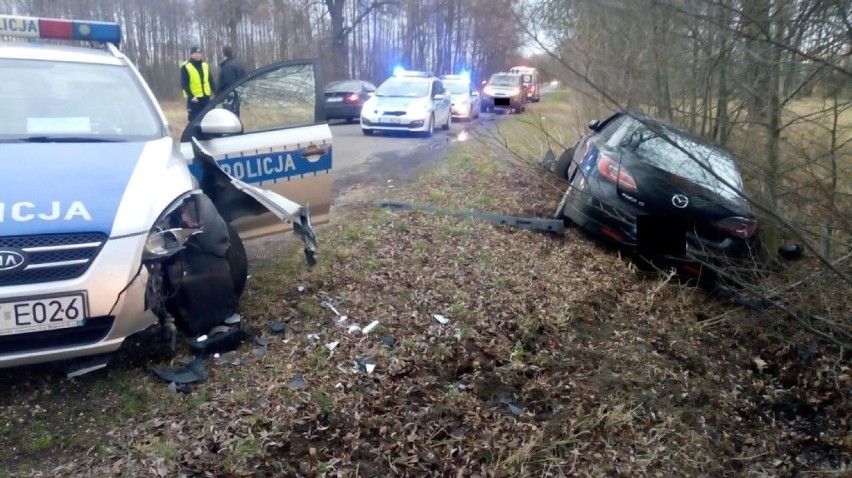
405	122
341	111
603	215
502	102
115	292
464	111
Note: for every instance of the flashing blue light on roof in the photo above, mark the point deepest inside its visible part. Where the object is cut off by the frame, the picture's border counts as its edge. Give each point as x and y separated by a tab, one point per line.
398	71
58	29
465	75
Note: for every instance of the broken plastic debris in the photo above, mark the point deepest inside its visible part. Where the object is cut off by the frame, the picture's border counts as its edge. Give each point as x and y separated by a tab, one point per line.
516	409
176	387
366	363
191	372
313	337
366	330
388	340
234	319
261	340
201	338
353	328
441	319
340	320
259	351
301	288
332	345
276	328
298	382
224	339
328	305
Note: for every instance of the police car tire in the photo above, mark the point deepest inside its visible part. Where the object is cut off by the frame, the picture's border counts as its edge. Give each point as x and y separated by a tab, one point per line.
563	163
367	132
237	260
449	119
430	128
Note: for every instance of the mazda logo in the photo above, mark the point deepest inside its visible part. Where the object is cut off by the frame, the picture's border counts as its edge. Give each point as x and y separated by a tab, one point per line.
12	260
680	201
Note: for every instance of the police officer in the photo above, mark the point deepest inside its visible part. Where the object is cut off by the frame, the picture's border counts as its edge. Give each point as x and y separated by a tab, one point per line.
195	82
230	70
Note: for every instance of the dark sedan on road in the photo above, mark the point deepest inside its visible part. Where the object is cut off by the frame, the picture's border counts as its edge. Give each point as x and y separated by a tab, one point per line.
344	99
637	180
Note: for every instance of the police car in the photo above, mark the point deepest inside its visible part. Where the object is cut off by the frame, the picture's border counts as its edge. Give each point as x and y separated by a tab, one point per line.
109	230
465	99
412	101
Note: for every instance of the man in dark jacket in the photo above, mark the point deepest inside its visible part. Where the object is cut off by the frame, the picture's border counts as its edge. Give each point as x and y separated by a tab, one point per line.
230	70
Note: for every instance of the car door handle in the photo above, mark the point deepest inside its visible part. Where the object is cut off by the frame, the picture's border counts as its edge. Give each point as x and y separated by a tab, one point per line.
313	150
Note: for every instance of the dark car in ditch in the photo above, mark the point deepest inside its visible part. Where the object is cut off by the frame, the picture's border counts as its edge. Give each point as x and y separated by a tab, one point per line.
635	180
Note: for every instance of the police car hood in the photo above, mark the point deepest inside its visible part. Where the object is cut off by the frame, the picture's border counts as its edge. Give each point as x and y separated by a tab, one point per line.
51	188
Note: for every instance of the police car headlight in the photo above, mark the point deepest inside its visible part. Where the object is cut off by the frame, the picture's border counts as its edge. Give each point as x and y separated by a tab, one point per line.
176	225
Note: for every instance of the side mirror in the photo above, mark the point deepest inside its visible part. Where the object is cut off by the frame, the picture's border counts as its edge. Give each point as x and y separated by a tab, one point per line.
593	125
438	97
220	121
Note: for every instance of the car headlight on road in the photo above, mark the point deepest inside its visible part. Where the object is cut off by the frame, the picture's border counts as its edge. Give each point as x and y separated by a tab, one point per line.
488	90
515	91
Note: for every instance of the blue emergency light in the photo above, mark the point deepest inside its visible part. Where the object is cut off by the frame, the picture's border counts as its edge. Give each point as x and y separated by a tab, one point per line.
57	29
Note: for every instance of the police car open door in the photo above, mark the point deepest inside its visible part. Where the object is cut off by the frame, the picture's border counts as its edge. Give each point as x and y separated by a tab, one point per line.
280	146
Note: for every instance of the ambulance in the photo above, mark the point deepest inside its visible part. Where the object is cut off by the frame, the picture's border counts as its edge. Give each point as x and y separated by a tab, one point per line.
532	84
112	232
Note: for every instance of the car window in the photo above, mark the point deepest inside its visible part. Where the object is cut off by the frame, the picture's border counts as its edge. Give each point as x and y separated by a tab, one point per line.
405	87
281	97
504	80
659	152
343	87
48	98
458	87
608	132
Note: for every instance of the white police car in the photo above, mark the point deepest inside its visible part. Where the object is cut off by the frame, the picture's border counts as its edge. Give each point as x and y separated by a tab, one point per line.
465	99
408	101
110	230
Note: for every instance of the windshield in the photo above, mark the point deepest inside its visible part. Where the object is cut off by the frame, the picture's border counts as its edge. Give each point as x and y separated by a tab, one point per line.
344	87
405	87
45	100
660	153
457	87
504	80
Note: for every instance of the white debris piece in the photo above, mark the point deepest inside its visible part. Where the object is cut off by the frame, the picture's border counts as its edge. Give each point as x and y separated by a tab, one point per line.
369	367
332	345
366	330
441	319
301	288
353	328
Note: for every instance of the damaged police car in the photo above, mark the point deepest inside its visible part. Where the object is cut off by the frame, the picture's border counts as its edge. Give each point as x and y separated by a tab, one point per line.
111	230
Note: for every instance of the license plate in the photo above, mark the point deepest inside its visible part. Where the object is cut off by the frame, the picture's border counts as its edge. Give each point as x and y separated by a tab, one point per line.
22	316
335	100
390	119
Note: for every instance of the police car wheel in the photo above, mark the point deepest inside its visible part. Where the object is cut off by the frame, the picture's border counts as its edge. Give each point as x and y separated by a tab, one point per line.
237	260
367	132
430	128
449	119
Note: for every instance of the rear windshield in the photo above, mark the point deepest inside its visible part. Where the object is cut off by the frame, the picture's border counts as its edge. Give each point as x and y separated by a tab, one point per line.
344	87
652	148
504	80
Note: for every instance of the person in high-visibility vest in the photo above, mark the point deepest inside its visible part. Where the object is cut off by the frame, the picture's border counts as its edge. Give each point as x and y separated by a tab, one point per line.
195	82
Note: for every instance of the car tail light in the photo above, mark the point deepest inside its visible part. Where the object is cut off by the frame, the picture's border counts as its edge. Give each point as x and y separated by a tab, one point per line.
616	173
738	226
353	98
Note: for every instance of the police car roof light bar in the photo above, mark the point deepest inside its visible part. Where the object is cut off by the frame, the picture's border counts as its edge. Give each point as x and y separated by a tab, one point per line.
58	29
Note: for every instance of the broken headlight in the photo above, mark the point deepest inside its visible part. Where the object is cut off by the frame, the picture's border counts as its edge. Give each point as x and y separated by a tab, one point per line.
176	225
